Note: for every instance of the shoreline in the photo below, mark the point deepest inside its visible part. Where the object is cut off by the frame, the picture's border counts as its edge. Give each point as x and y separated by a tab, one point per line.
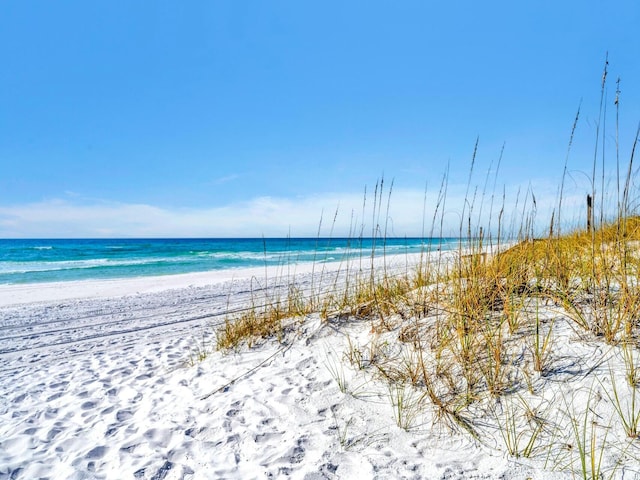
42	292
42	262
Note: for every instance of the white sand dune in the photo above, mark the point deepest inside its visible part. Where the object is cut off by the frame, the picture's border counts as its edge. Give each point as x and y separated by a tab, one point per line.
100	380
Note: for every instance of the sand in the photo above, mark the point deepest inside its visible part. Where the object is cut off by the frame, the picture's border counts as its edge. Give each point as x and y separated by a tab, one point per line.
104	380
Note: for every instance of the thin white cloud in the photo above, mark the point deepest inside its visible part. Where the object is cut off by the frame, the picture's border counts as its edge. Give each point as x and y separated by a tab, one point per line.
226	179
409	213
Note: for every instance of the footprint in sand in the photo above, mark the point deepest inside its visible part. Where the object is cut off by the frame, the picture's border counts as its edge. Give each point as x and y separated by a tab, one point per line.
123	415
88	405
20	398
53	433
96	453
58	385
297	453
161	473
328	468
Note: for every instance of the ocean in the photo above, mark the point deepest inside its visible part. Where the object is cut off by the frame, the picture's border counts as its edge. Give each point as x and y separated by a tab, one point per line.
33	261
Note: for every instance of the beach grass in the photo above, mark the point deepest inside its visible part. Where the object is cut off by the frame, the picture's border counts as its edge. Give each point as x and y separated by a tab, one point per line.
486	329
478	334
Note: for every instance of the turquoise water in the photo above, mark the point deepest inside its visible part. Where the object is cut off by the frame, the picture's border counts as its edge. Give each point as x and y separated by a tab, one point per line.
32	261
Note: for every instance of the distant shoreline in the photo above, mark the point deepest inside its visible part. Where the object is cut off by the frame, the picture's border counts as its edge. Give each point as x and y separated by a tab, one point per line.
24	262
18	294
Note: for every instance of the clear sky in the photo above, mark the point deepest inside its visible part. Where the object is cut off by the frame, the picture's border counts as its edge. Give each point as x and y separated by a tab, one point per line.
249	118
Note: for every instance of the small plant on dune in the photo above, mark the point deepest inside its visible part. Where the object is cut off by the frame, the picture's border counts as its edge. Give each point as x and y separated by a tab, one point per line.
343	432
630	301
406	405
520	426
354	355
402	368
448	401
373	353
589	449
585	443
611	308
541	345
512	312
631	367
374	298
348	439
266	319
200	351
573	310
493	364
250	326
296	303
336	370
627	407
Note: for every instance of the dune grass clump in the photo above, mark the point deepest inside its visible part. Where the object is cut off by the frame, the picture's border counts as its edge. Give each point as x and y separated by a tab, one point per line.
382	297
477	341
476	336
267	320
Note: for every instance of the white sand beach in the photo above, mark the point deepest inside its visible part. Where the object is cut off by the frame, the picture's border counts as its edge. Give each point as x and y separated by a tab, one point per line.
319	240
102	380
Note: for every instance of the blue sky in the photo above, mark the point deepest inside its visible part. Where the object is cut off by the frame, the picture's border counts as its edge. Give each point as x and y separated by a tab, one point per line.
249	118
